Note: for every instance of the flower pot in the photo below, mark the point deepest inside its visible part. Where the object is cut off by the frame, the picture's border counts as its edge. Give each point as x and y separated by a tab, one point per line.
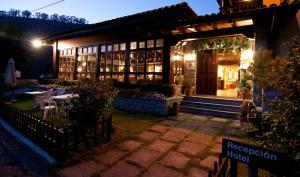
177	89
190	90
245	95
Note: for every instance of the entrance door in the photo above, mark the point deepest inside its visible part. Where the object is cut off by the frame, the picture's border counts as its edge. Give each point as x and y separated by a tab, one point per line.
206	73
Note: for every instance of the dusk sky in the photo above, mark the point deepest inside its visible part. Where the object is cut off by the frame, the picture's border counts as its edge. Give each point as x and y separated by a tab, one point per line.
100	10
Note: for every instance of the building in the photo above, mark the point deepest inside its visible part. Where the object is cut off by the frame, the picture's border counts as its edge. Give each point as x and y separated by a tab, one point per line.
211	51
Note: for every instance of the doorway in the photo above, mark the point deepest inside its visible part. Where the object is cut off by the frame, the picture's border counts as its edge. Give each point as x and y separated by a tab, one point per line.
206	73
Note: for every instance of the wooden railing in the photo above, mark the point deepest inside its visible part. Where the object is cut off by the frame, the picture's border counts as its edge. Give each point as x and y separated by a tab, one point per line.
59	142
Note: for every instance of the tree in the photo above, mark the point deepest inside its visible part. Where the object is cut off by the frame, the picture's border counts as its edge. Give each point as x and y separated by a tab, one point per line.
26	13
281	125
3	13
62	18
54	17
38	15
13	13
44	16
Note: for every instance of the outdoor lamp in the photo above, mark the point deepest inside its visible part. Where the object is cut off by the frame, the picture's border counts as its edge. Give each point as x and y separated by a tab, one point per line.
36	43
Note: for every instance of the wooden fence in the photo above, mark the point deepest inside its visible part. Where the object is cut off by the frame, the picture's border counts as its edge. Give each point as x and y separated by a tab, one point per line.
224	168
59	142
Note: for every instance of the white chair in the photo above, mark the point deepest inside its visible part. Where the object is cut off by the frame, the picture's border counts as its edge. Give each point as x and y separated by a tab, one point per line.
48	105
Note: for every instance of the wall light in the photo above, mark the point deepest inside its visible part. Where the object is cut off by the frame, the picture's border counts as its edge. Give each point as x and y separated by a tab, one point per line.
36	43
190	57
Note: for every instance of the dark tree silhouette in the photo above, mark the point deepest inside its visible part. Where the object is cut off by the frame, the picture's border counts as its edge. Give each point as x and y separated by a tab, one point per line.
43	16
3	13
13	13
26	14
54	17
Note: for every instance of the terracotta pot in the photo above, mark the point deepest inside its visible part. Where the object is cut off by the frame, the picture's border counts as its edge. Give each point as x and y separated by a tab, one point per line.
245	95
190	90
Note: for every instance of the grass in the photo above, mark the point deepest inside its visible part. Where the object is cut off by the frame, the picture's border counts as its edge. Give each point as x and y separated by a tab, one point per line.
133	123
26	104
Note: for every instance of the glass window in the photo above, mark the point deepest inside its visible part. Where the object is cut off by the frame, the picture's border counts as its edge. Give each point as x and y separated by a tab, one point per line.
132	45
90	50
150	43
103	48
109	48
159	43
141	45
116	47
66	65
95	49
85	50
123	46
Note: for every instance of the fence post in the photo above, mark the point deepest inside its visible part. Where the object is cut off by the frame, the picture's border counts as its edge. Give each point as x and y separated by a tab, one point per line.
252	172
209	174
233	168
215	167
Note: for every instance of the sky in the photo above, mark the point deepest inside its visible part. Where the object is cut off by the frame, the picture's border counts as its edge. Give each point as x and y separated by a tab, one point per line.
100	10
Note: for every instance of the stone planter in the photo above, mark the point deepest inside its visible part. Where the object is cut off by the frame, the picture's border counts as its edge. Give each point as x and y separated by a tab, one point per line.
145	105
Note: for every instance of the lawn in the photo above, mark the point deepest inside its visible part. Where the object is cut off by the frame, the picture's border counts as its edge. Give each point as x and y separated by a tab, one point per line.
26	104
129	123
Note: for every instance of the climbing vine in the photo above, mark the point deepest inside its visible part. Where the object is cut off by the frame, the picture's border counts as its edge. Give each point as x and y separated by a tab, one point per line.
223	45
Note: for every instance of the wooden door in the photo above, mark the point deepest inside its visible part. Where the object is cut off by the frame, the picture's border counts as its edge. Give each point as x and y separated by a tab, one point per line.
206	73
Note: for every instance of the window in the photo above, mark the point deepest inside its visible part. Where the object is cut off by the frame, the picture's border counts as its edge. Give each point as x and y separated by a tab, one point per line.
146	62
132	45
150	43
141	45
66	64
159	43
112	62
86	62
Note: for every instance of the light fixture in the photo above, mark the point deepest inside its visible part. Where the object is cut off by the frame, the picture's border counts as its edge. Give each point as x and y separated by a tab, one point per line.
36	43
190	57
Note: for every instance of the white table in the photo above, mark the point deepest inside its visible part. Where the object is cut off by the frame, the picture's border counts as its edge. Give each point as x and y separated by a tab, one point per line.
64	97
37	95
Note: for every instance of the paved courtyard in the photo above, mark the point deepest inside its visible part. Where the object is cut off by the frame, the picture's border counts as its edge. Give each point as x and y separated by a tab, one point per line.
183	145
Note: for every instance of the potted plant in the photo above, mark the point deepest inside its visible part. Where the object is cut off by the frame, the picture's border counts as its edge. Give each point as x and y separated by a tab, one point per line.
189	87
179	79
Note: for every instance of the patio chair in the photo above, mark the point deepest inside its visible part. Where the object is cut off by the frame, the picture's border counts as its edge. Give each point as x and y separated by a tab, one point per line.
48	105
60	91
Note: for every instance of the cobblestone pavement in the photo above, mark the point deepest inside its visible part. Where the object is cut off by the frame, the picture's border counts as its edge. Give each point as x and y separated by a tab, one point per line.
183	145
16	160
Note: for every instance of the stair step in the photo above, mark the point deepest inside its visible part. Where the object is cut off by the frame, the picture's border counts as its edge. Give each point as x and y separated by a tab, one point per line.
212	106
203	111
224	101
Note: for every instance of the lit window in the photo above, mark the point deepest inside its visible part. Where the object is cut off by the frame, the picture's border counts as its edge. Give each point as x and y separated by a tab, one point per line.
123	46
103	48
109	48
132	45
141	45
116	47
159	43
150	43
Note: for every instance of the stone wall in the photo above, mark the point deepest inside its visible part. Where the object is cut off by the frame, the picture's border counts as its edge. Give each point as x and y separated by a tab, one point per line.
145	105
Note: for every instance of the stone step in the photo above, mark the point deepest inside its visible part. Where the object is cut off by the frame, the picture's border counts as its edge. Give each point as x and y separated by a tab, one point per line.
203	99
212	106
210	112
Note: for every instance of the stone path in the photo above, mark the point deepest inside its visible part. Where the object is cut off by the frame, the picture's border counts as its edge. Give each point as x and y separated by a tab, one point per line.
16	160
183	145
